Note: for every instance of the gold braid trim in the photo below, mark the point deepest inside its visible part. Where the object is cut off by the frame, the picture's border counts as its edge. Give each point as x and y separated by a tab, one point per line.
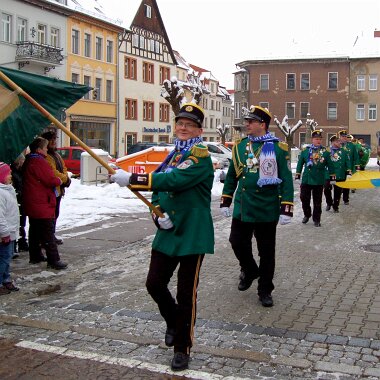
283	145
238	165
199	151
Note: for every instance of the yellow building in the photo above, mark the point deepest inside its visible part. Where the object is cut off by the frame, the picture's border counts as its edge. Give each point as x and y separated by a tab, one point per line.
92	59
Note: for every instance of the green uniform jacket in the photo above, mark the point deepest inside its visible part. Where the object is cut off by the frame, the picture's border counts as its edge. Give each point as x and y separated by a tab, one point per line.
341	164
364	154
353	155
253	203
185	194
314	174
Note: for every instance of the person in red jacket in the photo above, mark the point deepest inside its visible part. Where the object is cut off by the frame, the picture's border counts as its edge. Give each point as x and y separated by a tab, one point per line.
39	200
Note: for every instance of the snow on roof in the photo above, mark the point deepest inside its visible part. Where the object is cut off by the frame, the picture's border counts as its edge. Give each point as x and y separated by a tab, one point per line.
92	8
181	62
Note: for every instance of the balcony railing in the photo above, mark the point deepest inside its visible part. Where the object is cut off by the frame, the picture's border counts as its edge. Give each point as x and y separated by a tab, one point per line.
28	51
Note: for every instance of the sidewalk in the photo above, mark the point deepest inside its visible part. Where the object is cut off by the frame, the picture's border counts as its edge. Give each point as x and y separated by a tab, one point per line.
325	322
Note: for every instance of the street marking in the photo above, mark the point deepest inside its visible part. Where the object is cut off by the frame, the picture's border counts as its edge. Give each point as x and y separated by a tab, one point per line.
129	363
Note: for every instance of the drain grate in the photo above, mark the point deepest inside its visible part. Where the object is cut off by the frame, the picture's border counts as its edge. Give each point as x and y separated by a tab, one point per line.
372	248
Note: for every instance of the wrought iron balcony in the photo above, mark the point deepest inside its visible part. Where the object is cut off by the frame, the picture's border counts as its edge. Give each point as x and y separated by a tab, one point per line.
46	55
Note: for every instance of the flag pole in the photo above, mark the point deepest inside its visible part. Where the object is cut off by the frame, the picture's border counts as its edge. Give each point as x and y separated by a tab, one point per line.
57	123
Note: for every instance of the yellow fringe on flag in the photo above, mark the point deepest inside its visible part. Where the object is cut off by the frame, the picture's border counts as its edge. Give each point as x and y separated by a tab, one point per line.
9	101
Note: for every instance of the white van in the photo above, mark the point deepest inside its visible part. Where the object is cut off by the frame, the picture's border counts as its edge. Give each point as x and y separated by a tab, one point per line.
219	151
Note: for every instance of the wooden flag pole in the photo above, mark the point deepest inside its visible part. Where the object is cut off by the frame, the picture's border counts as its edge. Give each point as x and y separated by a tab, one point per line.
50	117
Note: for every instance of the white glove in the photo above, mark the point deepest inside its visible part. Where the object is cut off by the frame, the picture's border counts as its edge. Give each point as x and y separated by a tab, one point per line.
285	219
332	182
165	222
121	177
225	211
348	176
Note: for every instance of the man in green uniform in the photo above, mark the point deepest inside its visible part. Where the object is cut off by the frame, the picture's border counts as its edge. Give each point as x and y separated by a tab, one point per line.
260	177
315	159
364	153
182	190
353	156
341	164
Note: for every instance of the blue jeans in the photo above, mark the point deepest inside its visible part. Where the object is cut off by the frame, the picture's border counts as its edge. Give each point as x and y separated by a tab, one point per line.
6	254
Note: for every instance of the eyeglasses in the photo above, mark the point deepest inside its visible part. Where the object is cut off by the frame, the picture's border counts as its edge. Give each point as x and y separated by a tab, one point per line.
186	125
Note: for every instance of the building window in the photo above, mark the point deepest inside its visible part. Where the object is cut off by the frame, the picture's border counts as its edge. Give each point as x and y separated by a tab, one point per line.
148	111
304	109
130	68
360	112
360	82
74	78
305	81
131	109
6	26
22	27
109	51
302	138
135	40
332	111
237	109
158	47
164	112
98	86
142	42
41	34
87	82
211	123
164	74
109	91
372	86
54	37
290	110
148	72
75	41
98	48
333	81
264	82
212	105
264	105
87	45
291	81
148	11
372	112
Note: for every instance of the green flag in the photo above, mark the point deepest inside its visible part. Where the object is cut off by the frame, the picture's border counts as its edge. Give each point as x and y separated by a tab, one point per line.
20	122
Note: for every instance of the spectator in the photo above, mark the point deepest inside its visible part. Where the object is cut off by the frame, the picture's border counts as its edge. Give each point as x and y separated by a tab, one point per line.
9	227
22	243
38	199
56	163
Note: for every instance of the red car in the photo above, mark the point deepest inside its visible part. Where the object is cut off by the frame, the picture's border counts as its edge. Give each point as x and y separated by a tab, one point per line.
71	157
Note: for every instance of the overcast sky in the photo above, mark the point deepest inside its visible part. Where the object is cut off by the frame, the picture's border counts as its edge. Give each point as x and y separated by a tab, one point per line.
217	34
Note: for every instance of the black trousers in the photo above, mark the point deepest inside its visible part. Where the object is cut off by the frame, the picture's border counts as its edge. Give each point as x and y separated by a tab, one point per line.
180	315
346	195
330	201
315	191
41	235
241	242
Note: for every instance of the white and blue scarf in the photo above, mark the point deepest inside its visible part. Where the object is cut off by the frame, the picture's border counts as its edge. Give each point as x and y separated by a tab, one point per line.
268	174
180	147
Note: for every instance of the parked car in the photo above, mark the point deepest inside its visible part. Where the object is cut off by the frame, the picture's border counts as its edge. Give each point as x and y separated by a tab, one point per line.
71	157
220	152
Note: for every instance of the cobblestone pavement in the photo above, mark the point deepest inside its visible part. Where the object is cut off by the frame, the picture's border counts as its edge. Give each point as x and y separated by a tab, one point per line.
96	320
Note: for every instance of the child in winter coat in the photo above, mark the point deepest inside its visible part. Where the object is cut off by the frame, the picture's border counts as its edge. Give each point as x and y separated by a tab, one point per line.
9	227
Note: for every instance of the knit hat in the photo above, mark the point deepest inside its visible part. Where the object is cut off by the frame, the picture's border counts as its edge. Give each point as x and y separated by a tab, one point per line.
4	171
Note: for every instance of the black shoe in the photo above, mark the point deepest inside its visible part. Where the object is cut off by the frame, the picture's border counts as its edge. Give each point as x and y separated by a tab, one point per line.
266	300
245	281
336	210
37	261
169	337
347	203
180	361
317	224
23	245
328	207
58	241
15	255
58	265
305	219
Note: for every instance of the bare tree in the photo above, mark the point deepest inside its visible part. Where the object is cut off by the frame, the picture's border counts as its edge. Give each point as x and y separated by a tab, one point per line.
223	131
312	126
287	130
174	93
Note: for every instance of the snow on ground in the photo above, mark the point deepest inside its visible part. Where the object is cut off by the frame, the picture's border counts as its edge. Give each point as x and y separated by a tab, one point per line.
85	204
